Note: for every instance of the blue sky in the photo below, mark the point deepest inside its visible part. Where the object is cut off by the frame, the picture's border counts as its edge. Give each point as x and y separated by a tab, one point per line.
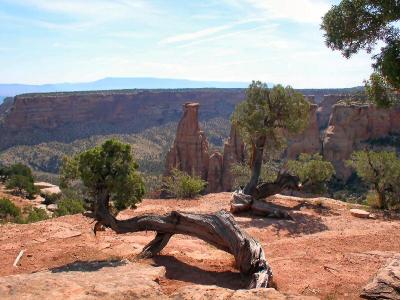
49	41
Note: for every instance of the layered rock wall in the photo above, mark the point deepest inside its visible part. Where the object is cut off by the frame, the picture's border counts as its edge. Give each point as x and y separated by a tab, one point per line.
352	125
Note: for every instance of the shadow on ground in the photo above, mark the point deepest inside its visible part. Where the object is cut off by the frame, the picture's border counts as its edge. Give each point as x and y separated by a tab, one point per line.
303	223
88	266
178	270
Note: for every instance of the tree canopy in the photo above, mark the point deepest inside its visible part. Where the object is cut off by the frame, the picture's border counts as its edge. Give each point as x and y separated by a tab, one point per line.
19	178
353	25
380	169
107	171
264	118
312	170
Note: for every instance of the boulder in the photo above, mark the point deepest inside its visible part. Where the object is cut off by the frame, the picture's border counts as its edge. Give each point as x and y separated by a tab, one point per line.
87	280
359	213
386	284
52	207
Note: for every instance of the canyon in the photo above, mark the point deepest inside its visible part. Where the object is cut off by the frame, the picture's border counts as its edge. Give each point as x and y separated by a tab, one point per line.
350	127
335	129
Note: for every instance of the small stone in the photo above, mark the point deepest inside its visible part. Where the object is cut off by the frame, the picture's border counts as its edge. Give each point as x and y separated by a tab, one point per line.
52	207
359	213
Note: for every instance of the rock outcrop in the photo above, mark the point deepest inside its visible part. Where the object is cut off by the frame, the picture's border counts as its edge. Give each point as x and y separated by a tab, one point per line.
117	280
234	152
215	174
352	125
308	141
325	109
386	284
189	152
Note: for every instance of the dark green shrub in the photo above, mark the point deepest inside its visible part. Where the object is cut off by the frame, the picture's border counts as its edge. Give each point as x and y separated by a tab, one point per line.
19	178
381	170
35	214
181	185
312	170
51	198
9	212
69	207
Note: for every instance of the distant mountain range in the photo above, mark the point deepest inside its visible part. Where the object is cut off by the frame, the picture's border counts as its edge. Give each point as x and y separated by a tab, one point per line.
115	83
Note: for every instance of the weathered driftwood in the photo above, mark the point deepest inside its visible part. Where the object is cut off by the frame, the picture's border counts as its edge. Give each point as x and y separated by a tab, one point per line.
218	229
241	202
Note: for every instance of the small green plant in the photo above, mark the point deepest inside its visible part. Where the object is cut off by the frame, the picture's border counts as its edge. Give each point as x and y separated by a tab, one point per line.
69	207
51	198
9	212
372	199
181	185
34	214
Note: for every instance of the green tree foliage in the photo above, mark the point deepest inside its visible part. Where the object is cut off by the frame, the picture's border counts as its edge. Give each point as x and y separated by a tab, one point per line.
241	174
9	212
353	25
107	172
20	178
181	185
264	117
312	170
380	92
69	206
34	214
380	169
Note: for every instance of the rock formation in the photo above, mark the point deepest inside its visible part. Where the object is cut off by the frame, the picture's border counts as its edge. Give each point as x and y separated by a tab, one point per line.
386	284
234	152
215	174
34	118
325	109
350	126
189	152
308	141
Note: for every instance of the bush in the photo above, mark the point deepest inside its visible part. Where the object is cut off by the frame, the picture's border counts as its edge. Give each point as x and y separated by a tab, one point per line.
381	170
373	199
241	173
69	207
19	178
312	170
35	215
181	185
50	198
9	212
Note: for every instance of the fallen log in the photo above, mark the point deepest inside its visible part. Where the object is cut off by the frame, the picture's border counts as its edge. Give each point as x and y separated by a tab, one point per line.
253	203
218	229
241	203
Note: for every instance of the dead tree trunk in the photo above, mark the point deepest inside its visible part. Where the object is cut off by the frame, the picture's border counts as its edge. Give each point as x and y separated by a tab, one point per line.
241	202
218	229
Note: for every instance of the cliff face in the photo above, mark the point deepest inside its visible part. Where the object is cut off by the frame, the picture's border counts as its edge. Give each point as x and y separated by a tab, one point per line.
308	141
350	126
32	119
325	109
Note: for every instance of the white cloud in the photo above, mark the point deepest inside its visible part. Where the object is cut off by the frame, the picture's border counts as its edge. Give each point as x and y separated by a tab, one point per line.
303	11
195	35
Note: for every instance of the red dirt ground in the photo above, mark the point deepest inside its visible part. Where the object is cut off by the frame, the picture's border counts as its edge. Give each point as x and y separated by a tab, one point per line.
324	251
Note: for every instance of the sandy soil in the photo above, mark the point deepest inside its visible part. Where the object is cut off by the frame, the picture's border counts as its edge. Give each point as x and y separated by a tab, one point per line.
323	252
